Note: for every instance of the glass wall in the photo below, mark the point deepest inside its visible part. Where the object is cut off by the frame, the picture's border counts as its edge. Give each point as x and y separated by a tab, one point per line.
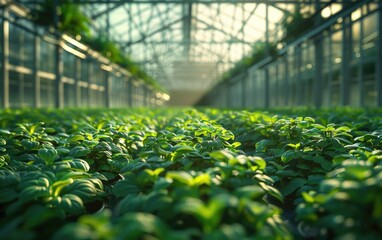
36	65
349	66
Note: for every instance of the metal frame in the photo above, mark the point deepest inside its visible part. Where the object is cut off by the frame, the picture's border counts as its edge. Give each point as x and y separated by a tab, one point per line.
64	85
314	38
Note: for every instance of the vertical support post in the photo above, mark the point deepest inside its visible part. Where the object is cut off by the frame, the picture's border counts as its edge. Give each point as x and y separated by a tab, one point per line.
318	58
89	81
108	77
244	90
36	67
360	62
108	89
379	57
286	83
227	95
277	83
318	74
345	64
330	70
4	77
59	87
77	90
266	70
130	91
299	84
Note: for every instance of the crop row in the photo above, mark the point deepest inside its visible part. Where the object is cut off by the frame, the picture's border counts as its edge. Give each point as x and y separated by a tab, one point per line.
191	174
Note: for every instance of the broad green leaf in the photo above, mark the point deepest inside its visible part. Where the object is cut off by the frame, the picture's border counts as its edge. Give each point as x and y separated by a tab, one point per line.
180	176
76	138
30	145
258	161
70	203
292	186
39	215
251	192
79	151
125	187
79	165
34	193
290	155
48	155
7	195
272	191
325	164
131	203
262	146
221	155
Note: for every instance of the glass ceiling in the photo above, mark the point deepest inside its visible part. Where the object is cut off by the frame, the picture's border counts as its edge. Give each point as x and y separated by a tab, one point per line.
188	44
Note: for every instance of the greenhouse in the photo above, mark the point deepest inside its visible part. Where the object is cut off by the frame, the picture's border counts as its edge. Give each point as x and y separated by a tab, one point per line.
190	119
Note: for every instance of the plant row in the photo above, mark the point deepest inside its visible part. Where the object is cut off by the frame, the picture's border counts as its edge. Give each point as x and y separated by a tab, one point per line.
192	174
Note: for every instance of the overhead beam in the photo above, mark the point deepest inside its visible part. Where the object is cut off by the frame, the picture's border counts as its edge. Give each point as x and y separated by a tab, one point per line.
193	1
145	36
108	10
187	25
234	38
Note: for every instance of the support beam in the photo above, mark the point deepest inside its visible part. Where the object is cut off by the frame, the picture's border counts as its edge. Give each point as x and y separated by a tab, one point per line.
77	91
107	11
145	36
318	59
379	57
187	25
286	84
130	92
266	70
36	67
189	1
108	93
318	74
4	75
345	64
59	86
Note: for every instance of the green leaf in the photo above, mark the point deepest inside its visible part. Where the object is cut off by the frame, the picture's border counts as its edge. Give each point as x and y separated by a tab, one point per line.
251	192
221	155
79	151
293	185
130	203
325	164
76	138
70	203
180	176
272	191
44	213
33	193
262	146
290	155
84	189
125	187
30	145
79	165
48	155
7	195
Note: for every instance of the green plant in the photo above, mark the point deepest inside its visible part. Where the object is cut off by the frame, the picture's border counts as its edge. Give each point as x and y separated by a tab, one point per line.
296	23
260	50
190	174
71	18
347	204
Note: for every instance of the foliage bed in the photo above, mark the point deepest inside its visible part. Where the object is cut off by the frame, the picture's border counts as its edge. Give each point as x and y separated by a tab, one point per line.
190	174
